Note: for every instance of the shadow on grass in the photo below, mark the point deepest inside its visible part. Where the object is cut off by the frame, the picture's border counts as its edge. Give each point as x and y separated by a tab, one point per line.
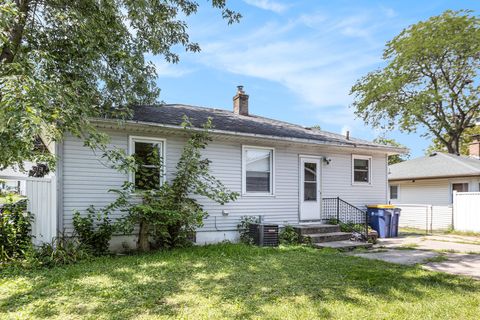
223	281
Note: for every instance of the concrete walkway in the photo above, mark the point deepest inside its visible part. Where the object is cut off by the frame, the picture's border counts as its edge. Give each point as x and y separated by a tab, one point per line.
445	253
460	244
408	257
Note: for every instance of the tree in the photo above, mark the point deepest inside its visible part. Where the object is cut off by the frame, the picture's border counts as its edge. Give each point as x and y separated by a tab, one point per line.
430	79
63	62
396	158
465	141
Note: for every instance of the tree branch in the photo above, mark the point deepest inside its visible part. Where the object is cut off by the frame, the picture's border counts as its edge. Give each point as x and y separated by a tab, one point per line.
16	34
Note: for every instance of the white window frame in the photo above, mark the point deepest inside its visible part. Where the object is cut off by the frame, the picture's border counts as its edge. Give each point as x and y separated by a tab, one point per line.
244	173
398	191
131	151
362	157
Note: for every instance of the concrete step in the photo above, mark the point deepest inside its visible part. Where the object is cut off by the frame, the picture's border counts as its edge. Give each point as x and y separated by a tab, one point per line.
344	245
329	237
316	228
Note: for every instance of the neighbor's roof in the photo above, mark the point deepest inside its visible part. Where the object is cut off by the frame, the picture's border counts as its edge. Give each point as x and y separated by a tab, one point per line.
228	122
436	165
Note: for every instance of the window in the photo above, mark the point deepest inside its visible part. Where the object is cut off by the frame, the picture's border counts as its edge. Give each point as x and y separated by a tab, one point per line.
460	187
393	192
310	181
361	167
148	153
257	170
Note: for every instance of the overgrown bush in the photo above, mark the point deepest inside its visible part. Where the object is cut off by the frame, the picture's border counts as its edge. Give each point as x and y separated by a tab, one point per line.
94	230
244	229
168	216
61	251
15	231
288	236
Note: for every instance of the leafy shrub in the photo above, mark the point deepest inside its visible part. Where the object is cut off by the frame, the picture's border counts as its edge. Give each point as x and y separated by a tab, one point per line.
61	251
332	221
168	216
15	231
289	236
352	227
94	230
243	228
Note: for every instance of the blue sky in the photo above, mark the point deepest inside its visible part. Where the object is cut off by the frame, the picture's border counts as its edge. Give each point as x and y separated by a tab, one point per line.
296	59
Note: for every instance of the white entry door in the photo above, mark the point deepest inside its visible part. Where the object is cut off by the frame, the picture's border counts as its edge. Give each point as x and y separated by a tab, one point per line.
310	197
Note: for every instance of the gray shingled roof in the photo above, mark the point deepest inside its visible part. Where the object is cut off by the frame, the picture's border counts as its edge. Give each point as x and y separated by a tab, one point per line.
435	166
227	121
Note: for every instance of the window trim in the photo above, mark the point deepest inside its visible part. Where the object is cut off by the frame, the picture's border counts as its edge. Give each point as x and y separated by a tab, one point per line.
390	194
146	139
457	181
361	157
244	173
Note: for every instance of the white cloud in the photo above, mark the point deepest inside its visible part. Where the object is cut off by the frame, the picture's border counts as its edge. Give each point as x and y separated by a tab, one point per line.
320	65
269	5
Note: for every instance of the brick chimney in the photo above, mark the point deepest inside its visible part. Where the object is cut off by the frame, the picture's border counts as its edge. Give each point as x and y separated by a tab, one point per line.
474	147
240	102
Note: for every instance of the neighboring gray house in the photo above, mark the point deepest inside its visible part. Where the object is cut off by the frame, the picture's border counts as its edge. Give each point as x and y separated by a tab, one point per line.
281	170
432	179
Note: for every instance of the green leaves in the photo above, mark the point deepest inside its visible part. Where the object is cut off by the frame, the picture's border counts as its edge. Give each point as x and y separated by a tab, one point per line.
430	80
15	231
63	62
391	142
171	213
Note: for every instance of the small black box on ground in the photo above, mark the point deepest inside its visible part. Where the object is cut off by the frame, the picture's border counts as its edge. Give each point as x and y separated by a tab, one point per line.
264	235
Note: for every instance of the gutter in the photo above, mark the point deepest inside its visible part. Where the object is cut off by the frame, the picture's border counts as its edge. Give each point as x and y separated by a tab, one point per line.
434	177
390	150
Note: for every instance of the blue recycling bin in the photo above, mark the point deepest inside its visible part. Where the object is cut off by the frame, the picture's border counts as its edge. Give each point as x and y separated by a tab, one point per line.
380	219
394	222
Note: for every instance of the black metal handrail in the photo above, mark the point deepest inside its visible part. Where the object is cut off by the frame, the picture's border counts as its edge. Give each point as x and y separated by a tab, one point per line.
350	217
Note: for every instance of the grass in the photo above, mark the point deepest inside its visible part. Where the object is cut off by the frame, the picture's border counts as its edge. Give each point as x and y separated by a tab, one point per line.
439	258
237	282
408	246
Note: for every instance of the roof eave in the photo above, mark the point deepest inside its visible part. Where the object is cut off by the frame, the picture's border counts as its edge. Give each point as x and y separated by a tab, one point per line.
386	149
476	174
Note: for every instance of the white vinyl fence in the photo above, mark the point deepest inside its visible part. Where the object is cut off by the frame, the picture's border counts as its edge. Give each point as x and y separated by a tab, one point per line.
42	203
466	208
425	216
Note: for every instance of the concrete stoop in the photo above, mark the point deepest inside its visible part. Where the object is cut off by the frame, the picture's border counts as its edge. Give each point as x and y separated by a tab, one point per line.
329	236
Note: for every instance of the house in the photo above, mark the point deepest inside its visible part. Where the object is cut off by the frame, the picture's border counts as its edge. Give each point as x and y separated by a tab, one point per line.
433	178
282	171
423	189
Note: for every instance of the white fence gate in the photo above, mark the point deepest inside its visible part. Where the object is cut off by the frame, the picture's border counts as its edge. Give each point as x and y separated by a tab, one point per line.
466	211
42	203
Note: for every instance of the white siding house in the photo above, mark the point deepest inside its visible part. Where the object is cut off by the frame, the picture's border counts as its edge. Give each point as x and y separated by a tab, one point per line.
268	162
432	179
423	188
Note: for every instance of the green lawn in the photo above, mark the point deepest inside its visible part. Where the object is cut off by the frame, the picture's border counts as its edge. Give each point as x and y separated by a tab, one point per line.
236	281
